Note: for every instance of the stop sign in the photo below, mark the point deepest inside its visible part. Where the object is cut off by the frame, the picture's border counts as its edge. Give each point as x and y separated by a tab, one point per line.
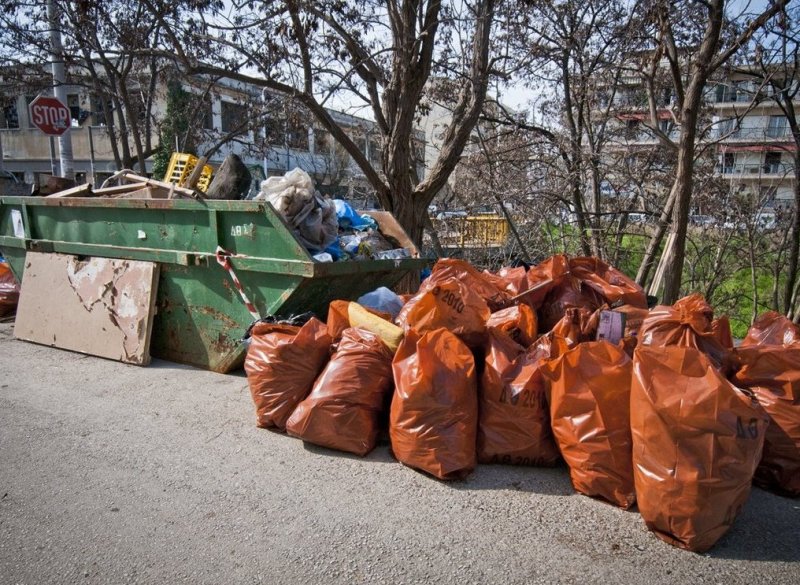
50	115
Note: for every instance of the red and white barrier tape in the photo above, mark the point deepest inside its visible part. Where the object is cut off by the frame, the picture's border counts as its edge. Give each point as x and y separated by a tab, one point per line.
224	260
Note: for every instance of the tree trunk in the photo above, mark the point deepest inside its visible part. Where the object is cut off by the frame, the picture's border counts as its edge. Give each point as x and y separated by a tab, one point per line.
682	188
655	241
794	240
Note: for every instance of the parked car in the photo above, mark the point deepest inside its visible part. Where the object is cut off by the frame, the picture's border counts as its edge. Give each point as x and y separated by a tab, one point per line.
702	220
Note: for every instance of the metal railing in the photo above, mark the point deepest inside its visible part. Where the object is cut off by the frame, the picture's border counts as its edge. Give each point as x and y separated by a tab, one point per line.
761	169
753	133
472	232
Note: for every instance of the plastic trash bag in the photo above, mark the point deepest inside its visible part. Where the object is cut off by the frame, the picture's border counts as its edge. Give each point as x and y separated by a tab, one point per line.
577	326
590	414
543	278
382	299
518	321
687	323
484	286
514	424
697	441
451	304
772	328
772	373
311	216
349	219
349	399
434	415
611	284
512	281
282	363
9	290
721	329
634	317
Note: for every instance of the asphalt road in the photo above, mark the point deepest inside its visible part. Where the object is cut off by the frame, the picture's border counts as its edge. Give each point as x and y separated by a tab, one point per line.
119	474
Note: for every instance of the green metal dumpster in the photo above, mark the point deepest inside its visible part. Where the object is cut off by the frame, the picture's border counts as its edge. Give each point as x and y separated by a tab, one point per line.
200	316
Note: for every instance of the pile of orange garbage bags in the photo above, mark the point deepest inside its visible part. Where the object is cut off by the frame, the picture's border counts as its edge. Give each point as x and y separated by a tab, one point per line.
515	368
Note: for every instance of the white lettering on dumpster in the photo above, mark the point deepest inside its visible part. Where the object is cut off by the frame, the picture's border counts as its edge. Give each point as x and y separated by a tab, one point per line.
245	229
16	222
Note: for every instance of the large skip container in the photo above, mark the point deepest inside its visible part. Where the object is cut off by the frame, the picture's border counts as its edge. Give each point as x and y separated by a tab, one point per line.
200	316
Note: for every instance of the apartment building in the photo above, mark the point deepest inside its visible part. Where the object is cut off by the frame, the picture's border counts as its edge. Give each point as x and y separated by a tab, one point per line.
749	140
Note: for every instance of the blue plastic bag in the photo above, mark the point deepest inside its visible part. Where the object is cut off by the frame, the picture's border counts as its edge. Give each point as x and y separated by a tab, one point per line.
348	218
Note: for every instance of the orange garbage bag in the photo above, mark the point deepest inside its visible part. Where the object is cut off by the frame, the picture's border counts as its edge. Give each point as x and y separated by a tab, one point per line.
450	305
512	281
721	329
282	363
687	323
611	284
570	293
433	420
488	287
577	326
697	440
590	414
514	424
9	290
518	321
772	328
543	278
772	373
634	317
348	399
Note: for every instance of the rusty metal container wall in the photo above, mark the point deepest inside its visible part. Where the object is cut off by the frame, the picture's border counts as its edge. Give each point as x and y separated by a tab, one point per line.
200	316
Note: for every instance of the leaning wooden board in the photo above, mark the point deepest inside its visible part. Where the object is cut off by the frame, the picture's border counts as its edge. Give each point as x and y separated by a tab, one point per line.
98	306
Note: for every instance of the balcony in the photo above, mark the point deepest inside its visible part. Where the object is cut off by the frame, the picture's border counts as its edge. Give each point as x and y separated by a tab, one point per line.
756	133
756	170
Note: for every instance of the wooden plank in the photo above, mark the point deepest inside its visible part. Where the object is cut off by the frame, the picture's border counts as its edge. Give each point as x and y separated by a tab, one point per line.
84	190
97	306
117	189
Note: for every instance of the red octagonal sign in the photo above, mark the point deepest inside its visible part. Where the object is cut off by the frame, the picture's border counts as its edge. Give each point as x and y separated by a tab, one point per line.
50	115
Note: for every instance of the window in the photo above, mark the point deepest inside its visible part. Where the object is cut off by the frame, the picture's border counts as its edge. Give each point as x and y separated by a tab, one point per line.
297	136
772	163
632	129
10	117
207	112
322	141
776	127
374	151
728	162
234	117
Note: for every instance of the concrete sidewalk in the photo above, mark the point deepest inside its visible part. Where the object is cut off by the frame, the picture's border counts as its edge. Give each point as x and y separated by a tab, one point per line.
118	474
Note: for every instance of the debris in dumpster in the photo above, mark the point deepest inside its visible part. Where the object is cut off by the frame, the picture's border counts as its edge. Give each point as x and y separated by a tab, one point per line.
282	363
434	413
311	216
296	320
772	373
697	441
349	399
9	290
97	306
349	219
514	421
518	321
590	414
772	328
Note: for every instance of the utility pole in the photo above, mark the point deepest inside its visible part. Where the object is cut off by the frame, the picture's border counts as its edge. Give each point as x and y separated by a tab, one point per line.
60	89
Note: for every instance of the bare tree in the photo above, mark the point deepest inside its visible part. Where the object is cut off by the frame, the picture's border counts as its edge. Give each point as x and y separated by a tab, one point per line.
690	64
383	54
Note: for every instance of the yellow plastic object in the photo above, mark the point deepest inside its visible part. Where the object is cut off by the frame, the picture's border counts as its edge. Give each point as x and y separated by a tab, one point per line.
390	333
181	166
475	231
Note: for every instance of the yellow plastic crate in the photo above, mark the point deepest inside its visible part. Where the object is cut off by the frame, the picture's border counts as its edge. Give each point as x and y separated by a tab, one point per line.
181	166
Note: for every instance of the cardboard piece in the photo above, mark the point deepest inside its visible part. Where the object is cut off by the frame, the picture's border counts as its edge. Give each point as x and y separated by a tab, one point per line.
97	306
